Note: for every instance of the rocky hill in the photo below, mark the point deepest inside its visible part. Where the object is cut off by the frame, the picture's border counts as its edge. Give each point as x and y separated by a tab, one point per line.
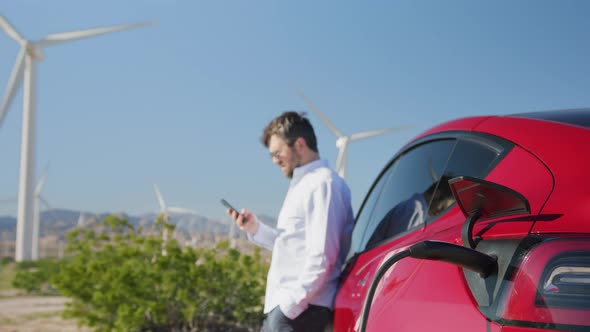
59	221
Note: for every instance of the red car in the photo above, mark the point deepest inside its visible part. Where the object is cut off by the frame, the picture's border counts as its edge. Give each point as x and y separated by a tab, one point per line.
478	224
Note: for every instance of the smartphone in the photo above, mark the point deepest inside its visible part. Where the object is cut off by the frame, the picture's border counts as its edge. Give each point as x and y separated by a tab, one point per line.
229	206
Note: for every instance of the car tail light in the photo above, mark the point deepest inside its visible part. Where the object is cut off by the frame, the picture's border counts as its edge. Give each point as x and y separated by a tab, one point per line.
566	283
551	287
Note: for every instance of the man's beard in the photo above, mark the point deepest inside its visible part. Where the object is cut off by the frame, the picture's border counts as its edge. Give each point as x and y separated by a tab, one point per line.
290	170
294	163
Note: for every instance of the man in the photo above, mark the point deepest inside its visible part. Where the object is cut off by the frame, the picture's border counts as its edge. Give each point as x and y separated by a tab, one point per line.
313	230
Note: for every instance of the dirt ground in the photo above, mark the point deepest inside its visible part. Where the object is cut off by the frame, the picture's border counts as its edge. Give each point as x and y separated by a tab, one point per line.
34	313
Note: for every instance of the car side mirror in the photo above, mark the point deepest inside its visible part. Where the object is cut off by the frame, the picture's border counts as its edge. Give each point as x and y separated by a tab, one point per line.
481	199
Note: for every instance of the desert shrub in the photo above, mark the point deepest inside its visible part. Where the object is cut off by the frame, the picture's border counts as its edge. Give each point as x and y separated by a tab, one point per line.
34	276
6	260
121	279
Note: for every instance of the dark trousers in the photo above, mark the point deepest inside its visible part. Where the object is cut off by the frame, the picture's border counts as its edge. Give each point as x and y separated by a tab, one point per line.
314	319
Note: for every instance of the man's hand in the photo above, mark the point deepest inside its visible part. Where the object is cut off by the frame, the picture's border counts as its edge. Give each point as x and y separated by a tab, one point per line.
245	220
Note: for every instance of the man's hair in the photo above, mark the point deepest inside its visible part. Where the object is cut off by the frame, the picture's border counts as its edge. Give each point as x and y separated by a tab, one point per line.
289	126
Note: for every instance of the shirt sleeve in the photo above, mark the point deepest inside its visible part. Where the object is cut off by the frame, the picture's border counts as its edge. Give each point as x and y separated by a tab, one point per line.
265	236
327	211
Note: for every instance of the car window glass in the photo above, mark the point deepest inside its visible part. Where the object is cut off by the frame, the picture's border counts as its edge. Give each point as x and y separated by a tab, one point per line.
469	158
472	158
362	218
402	194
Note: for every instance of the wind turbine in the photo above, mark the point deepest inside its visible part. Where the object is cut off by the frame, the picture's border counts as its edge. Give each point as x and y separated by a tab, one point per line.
81	220
165	211
343	140
37	214
39	200
232	234
24	70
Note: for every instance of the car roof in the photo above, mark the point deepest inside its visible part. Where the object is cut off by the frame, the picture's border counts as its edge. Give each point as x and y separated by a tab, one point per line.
576	117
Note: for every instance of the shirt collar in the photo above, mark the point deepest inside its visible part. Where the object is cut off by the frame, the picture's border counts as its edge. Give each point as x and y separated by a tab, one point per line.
300	171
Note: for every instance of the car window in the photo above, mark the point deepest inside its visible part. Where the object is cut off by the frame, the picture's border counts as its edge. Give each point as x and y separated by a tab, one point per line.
398	202
473	158
470	157
362	220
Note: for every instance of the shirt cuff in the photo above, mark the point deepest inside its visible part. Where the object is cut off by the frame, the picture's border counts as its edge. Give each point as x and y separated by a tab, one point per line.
264	236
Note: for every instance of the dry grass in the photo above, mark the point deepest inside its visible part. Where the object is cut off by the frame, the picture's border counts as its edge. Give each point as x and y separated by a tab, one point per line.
7	273
35	313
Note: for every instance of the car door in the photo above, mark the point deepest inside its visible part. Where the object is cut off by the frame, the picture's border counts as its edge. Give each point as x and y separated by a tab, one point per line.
438	290
395	193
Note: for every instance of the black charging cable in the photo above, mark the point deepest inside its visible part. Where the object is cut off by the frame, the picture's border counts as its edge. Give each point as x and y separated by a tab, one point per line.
432	250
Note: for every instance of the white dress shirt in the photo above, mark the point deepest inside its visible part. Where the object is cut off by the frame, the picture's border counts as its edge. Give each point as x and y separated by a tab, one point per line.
310	242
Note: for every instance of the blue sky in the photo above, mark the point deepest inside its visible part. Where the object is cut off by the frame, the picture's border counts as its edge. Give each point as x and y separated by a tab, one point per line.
183	103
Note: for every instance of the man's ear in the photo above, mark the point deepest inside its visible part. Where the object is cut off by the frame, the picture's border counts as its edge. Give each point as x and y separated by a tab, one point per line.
300	144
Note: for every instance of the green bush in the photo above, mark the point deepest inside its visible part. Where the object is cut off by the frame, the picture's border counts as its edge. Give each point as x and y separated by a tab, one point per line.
6	260
121	280
34	276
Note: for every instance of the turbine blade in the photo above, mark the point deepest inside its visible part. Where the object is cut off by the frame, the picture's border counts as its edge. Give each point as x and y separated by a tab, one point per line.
10	30
45	203
41	182
63	37
48	207
160	199
16	76
320	114
371	133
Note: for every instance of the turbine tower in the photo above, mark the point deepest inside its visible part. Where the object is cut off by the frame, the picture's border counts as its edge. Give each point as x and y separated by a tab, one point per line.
342	140
232	234
165	211
37	215
24	70
81	220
